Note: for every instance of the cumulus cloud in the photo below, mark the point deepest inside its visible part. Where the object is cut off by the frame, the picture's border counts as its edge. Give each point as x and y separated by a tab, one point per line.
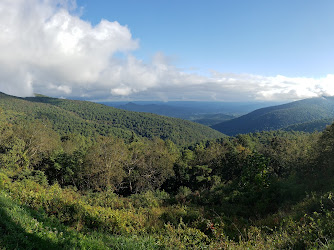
47	48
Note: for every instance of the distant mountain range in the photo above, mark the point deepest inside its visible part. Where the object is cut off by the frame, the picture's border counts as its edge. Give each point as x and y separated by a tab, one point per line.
206	113
160	109
184	109
210	119
187	113
304	115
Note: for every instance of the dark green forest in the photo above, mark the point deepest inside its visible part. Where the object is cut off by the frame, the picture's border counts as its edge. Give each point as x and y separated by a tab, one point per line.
81	175
91	119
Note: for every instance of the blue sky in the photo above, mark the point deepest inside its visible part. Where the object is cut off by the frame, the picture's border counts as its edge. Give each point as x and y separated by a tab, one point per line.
292	38
227	50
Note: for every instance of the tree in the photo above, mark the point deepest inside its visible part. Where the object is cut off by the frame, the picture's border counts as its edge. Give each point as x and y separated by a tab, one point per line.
38	138
103	166
150	164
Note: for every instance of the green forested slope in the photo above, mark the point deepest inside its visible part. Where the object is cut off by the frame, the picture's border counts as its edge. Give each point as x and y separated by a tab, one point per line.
87	118
280	117
211	119
317	125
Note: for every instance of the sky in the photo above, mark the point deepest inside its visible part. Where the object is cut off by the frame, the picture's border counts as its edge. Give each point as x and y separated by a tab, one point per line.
214	50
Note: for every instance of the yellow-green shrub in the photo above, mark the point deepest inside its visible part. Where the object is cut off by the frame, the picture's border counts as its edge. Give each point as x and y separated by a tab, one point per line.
70	208
183	237
4	180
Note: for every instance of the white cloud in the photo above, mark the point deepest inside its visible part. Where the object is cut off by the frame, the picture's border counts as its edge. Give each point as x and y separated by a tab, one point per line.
46	48
122	91
42	39
61	88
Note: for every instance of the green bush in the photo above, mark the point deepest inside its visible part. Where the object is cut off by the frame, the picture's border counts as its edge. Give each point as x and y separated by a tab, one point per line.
4	180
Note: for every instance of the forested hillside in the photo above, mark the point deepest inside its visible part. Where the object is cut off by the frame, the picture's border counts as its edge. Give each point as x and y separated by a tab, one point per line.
310	112
317	125
90	119
66	190
210	119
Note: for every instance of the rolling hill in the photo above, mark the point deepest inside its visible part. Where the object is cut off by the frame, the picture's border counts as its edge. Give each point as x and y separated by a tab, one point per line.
300	115
317	125
159	109
194	114
88	118
210	119
190	110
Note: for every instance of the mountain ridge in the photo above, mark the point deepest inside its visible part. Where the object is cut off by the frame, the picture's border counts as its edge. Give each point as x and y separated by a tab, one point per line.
280	116
84	117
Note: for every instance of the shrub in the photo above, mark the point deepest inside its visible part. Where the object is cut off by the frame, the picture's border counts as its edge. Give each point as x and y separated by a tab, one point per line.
183	237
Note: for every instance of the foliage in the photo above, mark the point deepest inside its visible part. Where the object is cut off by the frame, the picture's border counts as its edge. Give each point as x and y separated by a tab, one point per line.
306	114
92	119
84	190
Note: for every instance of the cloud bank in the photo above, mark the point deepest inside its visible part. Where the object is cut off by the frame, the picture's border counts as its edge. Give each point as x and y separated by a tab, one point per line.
47	48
